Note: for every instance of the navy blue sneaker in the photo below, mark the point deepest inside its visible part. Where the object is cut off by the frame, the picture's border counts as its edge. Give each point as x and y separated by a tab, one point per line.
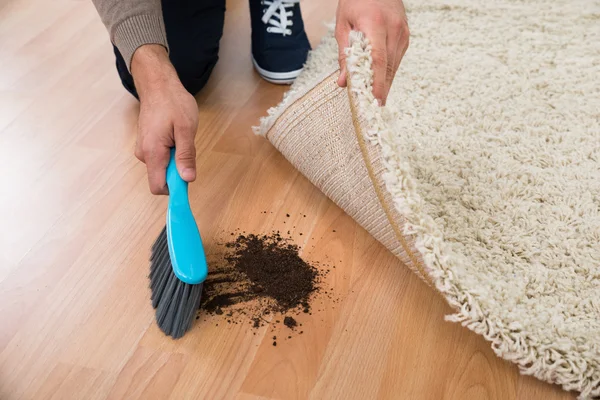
279	43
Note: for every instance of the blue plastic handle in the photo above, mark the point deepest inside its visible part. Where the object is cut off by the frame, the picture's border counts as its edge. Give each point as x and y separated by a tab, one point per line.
183	237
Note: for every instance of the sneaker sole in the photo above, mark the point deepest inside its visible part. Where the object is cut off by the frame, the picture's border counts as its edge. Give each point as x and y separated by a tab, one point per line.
280	78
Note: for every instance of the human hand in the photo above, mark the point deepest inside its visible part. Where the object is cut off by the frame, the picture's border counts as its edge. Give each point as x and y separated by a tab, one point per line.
384	23
168	117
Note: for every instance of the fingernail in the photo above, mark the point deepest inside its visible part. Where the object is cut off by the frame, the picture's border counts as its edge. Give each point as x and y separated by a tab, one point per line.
188	174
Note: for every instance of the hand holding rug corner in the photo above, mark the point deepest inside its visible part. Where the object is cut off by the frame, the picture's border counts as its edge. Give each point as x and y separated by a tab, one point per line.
385	25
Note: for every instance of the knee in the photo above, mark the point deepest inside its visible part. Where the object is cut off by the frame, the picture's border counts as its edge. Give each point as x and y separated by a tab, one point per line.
194	61
194	71
194	30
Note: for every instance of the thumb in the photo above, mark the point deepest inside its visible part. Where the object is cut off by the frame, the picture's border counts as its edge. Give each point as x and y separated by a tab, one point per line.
185	155
342	32
342	78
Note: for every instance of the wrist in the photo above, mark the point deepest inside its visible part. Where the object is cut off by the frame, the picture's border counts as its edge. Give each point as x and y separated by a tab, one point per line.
152	70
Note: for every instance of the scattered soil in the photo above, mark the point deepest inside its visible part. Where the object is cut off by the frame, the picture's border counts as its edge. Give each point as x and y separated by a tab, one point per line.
254	279
274	268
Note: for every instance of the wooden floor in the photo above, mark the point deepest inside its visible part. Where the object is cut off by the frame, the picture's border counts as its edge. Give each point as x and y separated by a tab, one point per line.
78	221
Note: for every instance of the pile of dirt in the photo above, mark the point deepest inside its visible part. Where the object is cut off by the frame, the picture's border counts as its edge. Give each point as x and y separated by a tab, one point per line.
274	268
256	278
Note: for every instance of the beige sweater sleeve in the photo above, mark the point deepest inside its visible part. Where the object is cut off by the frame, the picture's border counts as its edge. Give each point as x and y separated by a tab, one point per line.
132	23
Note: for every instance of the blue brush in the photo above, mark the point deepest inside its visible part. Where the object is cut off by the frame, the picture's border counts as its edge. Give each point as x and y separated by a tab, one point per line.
178	265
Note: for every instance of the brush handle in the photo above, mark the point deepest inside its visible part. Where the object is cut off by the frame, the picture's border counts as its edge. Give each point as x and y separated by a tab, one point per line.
183	237
178	188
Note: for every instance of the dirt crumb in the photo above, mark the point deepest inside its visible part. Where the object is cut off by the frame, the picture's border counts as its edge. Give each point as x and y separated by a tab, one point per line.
290	322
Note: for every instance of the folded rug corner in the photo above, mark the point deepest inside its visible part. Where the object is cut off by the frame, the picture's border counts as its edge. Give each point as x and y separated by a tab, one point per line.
482	173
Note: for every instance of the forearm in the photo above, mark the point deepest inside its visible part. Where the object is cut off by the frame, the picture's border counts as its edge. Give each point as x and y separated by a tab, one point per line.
132	23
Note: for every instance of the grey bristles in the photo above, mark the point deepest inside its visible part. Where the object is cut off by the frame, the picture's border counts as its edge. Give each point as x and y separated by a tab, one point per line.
176	302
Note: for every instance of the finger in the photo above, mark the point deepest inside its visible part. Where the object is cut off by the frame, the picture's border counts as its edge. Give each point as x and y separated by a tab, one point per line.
342	32
139	140
185	152
157	157
400	50
138	152
377	37
402	47
342	78
393	61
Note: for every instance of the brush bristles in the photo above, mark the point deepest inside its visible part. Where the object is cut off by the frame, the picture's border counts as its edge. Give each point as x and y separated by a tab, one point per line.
176	302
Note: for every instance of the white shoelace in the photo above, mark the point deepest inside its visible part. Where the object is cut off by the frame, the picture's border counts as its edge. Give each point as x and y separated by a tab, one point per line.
277	8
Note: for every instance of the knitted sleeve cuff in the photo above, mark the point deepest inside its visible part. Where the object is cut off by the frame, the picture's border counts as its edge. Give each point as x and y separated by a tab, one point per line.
137	31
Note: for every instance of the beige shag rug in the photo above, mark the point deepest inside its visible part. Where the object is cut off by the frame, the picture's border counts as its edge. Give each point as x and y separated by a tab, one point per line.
482	173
